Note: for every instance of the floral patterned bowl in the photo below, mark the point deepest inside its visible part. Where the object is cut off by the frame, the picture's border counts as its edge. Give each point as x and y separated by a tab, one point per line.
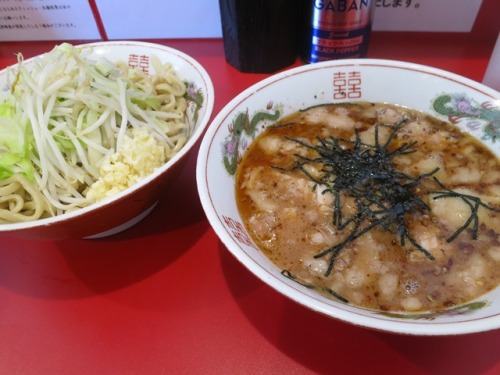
126	208
472	106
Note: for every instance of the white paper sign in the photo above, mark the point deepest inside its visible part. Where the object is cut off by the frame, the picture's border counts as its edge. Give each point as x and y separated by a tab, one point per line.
156	19
492	74
425	15
30	20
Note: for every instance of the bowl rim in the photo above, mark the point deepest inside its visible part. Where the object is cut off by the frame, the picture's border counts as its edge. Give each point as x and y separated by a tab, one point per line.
378	323
199	131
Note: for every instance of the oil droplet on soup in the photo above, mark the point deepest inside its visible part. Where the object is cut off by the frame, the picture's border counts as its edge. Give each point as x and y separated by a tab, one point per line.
384	207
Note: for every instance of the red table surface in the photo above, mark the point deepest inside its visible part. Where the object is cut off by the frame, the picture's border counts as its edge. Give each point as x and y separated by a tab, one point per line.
167	297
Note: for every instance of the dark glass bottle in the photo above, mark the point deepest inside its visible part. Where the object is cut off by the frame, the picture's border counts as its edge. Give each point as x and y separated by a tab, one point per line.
335	29
260	35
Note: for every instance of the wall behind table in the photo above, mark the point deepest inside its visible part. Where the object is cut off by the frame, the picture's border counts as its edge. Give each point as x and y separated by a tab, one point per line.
53	20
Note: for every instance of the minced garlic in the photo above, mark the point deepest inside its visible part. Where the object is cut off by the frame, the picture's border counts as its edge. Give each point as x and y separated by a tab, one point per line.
139	156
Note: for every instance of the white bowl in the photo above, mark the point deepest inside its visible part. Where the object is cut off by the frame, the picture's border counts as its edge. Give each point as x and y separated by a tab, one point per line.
407	84
126	208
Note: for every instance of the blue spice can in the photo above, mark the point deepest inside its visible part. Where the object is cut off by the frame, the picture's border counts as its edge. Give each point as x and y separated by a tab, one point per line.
336	29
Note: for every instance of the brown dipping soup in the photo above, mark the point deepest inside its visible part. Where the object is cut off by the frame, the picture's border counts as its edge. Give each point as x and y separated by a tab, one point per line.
380	206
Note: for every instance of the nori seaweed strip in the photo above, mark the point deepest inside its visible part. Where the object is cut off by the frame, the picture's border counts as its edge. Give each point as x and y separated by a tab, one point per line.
473	202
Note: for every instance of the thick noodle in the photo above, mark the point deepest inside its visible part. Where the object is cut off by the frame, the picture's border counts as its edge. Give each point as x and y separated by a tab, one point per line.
20	200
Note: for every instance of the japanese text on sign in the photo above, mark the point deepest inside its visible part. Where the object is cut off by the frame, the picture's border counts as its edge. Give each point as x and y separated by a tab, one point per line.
396	3
428	16
29	20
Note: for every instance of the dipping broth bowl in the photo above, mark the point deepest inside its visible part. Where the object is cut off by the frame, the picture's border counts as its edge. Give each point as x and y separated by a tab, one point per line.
369	80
